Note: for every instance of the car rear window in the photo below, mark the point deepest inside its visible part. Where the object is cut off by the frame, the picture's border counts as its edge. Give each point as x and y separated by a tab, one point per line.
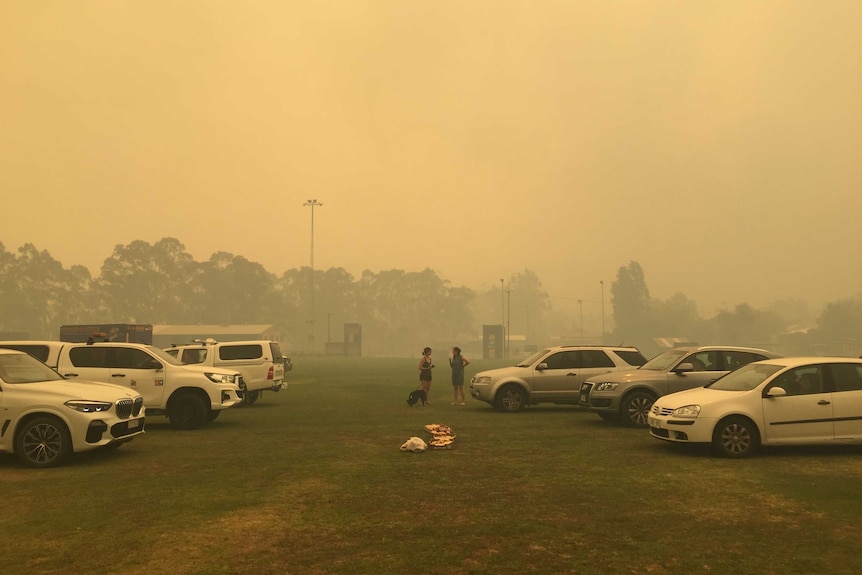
276	351
596	358
632	357
246	351
40	352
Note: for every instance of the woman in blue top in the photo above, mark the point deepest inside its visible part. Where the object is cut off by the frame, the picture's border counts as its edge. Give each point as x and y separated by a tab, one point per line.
458	363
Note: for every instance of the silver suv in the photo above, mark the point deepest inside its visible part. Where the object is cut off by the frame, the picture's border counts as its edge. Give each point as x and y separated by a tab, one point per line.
628	396
552	375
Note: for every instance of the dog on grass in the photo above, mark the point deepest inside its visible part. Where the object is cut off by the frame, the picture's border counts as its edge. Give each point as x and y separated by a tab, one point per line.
416	396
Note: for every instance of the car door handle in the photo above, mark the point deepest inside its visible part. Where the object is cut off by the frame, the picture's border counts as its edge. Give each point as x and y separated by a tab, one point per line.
571	375
118	375
823	402
70	375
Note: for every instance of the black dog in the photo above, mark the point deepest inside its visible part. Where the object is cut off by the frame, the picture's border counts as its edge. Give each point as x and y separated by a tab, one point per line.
416	396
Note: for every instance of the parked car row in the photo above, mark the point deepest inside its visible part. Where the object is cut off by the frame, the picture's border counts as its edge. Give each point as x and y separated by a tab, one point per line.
734	398
44	384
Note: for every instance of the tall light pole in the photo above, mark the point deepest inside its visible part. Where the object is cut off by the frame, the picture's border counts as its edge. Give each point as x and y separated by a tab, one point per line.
509	321
603	310
581	306
503	318
313	204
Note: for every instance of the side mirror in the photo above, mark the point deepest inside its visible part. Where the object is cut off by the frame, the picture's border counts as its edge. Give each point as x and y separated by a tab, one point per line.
684	368
776	392
542	366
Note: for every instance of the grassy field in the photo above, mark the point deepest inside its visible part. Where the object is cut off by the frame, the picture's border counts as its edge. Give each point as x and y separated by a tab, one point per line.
311	481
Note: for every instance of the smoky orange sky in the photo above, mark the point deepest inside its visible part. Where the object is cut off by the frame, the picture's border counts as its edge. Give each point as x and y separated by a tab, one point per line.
718	144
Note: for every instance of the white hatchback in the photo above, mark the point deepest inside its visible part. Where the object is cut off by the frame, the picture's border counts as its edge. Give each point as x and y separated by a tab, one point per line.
44	417
802	400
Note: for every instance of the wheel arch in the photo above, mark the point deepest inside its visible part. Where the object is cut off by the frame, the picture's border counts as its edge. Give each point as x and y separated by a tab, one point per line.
190	389
740	415
26	418
757	442
513	381
640	388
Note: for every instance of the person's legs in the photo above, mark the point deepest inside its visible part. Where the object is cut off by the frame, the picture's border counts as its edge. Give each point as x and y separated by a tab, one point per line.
426	385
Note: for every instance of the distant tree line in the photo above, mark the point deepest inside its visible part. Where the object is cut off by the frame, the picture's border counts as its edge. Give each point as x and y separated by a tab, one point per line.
785	328
400	311
161	283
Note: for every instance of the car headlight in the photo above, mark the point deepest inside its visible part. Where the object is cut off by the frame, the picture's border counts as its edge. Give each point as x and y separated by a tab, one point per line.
85	406
481	379
689	411
221	378
606	386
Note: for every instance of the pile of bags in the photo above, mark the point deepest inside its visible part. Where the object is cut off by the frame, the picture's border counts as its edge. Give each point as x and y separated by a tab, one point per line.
442	437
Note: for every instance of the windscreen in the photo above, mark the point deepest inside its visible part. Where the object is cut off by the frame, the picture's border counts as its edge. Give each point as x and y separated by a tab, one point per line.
22	368
664	361
745	378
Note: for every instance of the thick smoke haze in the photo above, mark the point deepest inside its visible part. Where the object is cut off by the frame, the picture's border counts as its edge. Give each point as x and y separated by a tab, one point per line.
716	144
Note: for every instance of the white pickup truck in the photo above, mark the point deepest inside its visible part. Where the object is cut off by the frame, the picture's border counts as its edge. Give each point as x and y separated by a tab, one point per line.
260	362
189	395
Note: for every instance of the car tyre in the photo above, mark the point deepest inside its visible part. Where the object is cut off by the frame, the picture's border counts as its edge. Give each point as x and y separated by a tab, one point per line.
43	442
187	410
736	437
635	407
511	398
249	397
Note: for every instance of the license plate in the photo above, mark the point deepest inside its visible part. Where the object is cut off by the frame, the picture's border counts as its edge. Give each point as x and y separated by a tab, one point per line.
583	398
653	422
134	423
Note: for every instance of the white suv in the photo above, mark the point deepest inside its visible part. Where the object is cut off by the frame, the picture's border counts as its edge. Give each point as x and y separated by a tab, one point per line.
552	375
260	362
46	418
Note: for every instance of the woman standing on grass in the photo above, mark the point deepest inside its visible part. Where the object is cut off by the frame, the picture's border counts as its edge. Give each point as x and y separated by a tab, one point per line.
458	363
425	367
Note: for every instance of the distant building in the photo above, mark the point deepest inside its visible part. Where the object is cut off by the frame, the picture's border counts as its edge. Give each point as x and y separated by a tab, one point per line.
165	335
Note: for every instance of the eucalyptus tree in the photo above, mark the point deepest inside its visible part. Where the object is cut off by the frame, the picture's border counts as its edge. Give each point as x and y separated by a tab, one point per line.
631	303
839	327
746	325
401	312
232	289
38	294
146	283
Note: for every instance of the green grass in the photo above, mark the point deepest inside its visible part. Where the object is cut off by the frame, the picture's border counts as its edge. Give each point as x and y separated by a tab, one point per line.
311	481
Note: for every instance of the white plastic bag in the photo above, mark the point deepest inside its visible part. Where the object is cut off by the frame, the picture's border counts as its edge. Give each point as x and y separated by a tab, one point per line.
414	444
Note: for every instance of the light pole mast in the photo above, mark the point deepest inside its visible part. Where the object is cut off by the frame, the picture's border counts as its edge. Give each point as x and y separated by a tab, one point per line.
313	204
509	321
581	306
503	317
603	310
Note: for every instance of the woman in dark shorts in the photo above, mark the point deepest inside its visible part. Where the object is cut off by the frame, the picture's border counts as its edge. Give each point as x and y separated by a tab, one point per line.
425	367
